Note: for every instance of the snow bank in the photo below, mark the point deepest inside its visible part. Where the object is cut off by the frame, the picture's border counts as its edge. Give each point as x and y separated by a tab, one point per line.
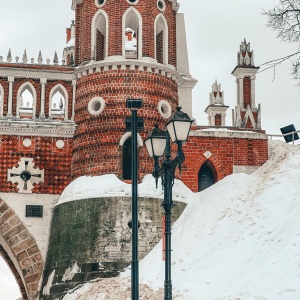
237	240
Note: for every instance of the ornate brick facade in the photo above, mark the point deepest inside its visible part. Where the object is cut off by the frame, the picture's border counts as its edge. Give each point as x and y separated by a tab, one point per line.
73	123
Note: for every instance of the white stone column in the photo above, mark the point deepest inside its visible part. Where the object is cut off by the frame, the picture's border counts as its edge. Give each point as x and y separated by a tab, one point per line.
11	79
73	99
213	119
253	92
43	82
223	119
241	92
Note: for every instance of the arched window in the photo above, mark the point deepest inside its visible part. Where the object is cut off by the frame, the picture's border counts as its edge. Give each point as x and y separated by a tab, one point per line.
58	103
207	176
132	34
1	100
26	101
161	39
127	159
100	36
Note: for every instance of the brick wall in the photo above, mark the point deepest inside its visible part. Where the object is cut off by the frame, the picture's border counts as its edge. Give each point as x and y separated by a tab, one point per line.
226	152
87	9
247	92
218	120
96	144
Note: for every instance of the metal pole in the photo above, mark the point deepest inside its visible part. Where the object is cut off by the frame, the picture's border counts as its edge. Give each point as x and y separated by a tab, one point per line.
168	204
134	171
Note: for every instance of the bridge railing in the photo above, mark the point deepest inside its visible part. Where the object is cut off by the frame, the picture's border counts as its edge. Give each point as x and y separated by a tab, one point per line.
271	136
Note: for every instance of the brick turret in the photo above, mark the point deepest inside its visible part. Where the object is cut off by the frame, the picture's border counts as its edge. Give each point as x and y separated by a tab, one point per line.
246	114
123	51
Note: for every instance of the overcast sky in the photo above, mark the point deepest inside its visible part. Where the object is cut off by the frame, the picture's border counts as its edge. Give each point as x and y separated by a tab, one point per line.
215	29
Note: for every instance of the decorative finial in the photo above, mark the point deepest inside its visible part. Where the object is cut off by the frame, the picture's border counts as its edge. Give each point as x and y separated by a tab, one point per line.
40	58
71	60
55	59
9	57
24	59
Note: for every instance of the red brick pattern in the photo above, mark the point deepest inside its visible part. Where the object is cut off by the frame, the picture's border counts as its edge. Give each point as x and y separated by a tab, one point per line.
218	120
247	92
96	144
148	10
226	152
23	248
100	40
54	162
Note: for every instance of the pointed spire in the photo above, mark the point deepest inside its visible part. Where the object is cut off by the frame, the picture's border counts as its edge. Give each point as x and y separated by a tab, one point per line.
40	58
24	59
245	56
9	57
55	59
71	60
61	104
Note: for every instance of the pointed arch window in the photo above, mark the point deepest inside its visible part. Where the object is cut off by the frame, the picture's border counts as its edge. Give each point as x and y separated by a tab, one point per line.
100	36
161	39
58	104
207	176
26	101
132	34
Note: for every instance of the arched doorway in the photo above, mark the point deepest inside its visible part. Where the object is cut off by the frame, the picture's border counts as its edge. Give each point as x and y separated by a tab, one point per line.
12	283
127	159
207	176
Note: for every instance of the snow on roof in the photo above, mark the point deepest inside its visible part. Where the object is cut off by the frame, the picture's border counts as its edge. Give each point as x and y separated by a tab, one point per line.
88	187
238	239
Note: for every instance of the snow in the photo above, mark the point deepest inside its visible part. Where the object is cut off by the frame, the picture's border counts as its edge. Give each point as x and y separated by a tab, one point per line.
237	240
88	187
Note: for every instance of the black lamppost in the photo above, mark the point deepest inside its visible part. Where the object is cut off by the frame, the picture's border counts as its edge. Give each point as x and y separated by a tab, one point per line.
158	145
134	124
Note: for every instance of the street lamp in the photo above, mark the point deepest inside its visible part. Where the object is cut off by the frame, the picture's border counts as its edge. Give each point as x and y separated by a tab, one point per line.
158	145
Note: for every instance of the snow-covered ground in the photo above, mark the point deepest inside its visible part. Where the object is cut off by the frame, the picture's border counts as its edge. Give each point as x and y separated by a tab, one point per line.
237	240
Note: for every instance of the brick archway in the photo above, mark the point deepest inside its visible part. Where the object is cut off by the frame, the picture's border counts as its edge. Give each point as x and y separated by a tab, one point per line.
19	249
190	175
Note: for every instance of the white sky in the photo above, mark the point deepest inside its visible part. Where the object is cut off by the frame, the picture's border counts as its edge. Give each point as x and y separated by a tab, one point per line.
214	28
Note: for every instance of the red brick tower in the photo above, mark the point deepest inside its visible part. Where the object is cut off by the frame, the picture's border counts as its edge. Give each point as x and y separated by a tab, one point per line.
246	115
128	50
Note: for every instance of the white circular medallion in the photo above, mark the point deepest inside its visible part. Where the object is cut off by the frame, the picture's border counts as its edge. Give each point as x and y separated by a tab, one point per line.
96	106
27	143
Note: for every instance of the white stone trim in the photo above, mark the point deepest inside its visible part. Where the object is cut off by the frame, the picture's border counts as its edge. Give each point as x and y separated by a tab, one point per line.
166	37
167	106
25	187
23	127
43	82
37	74
139	32
59	87
128	135
227	133
73	99
164	4
1	100
27	85
99	5
132	3
91	106
11	80
94	33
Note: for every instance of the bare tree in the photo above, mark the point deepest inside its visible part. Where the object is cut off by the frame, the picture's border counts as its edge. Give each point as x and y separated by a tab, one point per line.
284	19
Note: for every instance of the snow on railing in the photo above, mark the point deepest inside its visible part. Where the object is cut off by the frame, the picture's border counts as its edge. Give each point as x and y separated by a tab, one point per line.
283	135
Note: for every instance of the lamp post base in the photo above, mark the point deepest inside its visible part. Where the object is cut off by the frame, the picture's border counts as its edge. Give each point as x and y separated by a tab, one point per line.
168	290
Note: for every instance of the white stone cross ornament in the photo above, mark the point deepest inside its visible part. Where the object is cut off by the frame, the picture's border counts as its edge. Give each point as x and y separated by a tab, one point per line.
25	175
